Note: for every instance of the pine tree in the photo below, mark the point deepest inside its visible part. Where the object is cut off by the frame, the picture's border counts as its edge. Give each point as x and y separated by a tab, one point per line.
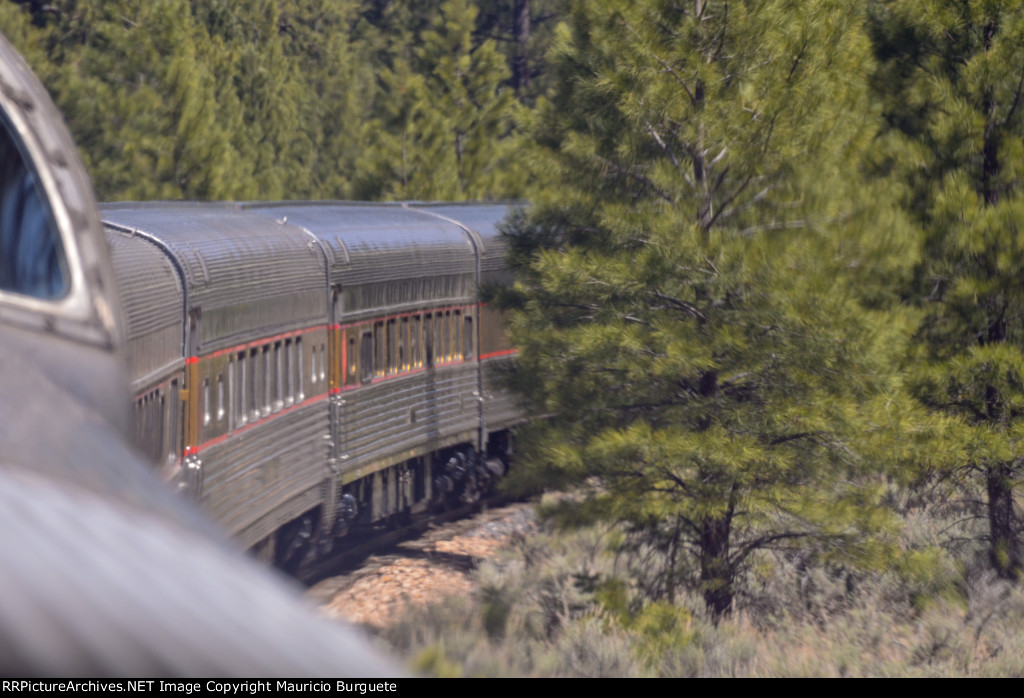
335	67
443	130
131	78
405	154
466	81
951	75
276	135
523	30
687	306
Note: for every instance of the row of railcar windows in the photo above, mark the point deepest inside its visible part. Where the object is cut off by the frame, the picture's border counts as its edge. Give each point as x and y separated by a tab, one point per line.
156	422
398	345
261	381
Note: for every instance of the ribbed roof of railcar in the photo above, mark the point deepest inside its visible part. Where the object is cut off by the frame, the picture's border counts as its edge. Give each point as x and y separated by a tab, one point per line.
153	303
229	255
150	287
483	220
378	242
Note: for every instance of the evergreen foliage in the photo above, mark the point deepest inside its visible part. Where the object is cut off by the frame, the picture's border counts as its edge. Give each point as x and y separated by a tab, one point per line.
325	40
686	310
445	124
951	78
133	83
270	99
524	30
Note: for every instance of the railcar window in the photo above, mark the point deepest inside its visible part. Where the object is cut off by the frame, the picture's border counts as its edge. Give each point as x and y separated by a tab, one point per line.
415	359
391	349
254	383
157	420
165	442
206	401
442	338
137	425
141	423
240	403
351	369
456	330
149	425
265	366
457	352
232	395
378	348
173	407
366	356
428	341
220	397
323	362
439	338
289	359
403	346
298	369
467	338
278	377
439	349
32	260
446	337
171	429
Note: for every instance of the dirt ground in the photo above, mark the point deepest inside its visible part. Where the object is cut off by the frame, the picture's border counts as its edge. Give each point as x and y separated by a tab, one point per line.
436	565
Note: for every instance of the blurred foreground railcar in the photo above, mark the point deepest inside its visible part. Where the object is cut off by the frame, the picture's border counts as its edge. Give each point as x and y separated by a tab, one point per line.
104	571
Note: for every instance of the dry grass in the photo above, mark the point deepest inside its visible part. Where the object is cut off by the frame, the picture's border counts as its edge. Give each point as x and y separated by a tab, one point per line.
569	605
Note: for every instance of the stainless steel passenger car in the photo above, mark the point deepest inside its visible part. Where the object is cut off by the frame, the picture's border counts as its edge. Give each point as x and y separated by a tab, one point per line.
104	572
330	365
500	411
252	319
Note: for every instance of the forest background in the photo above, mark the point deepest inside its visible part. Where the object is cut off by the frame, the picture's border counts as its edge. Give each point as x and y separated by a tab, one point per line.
769	292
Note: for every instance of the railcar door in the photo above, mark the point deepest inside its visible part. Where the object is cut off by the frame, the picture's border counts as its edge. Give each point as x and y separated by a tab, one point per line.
337	367
191	396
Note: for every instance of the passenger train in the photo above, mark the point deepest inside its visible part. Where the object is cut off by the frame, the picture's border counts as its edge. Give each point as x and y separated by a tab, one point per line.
301	369
307	368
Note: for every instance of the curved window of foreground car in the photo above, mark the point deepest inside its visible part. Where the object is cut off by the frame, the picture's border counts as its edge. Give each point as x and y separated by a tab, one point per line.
32	259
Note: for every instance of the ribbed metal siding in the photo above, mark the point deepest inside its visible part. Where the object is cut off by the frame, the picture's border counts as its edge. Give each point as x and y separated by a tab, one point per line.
264	467
377	419
248	273
151	296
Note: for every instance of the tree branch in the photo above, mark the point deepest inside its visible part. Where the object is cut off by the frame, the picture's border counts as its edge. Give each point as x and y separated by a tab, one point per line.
663	145
688	308
1016	99
764	541
793	437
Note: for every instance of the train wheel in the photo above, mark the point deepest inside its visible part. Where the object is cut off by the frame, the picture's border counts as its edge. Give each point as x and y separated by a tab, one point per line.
295	541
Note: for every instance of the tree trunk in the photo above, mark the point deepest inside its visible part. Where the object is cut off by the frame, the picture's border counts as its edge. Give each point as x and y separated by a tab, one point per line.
715	569
521	64
1004	545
